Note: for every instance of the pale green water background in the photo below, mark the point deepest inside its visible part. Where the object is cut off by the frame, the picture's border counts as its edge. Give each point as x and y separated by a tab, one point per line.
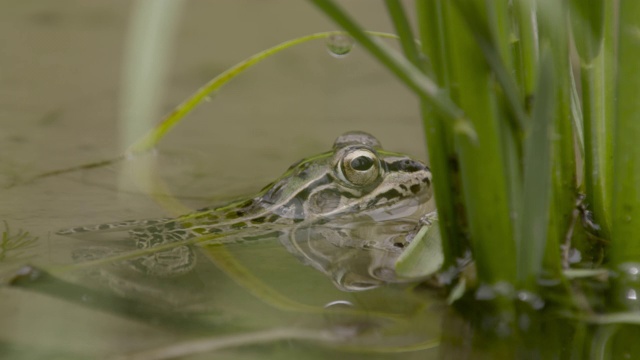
60	81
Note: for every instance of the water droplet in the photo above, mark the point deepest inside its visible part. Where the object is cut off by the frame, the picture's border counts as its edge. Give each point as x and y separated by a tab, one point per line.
339	304
340	321
633	270
574	256
628	284
339	45
530	298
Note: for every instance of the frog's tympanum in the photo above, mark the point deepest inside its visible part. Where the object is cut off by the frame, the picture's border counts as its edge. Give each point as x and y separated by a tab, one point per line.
346	212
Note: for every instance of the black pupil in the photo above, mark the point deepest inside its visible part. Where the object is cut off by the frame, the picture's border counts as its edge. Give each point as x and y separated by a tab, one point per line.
362	163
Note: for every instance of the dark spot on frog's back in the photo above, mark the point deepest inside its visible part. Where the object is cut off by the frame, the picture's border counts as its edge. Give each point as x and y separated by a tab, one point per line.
231	215
415	188
258	220
238	226
211	217
304	174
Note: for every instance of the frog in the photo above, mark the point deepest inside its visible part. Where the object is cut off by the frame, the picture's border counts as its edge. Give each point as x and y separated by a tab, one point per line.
322	207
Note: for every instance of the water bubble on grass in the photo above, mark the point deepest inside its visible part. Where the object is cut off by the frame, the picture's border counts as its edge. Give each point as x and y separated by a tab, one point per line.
340	45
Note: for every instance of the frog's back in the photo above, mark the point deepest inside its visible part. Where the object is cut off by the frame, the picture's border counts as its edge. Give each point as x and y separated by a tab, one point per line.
112	227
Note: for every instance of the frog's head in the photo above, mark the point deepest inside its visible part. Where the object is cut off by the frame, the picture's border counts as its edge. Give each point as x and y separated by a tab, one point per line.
356	178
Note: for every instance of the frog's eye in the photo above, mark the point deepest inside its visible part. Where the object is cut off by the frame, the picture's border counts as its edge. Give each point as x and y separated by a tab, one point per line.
360	167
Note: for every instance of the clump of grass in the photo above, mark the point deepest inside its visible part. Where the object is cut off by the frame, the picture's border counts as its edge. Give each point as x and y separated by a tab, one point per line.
515	97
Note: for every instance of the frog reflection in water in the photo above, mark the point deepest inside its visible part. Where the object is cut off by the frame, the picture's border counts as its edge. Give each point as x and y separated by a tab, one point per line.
346	212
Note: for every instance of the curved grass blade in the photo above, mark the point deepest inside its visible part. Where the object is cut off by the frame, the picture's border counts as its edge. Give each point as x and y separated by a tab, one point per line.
423	257
151	139
411	76
154	136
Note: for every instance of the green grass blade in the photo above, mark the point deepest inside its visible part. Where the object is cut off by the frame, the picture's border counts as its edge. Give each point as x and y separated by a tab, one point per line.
597	97
434	39
152	138
403	29
485	183
576	114
587	20
401	67
482	33
439	137
537	176
499	21
525	46
625	229
554	31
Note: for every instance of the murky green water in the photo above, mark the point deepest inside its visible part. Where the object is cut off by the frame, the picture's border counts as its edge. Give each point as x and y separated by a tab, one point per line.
60	84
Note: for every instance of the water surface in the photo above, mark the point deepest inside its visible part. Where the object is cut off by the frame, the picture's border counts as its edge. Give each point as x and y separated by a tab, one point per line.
60	87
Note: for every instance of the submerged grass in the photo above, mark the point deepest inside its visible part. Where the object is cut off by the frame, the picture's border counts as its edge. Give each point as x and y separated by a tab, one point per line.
12	243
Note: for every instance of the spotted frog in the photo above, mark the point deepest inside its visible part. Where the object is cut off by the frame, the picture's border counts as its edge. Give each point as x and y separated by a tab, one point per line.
322	208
